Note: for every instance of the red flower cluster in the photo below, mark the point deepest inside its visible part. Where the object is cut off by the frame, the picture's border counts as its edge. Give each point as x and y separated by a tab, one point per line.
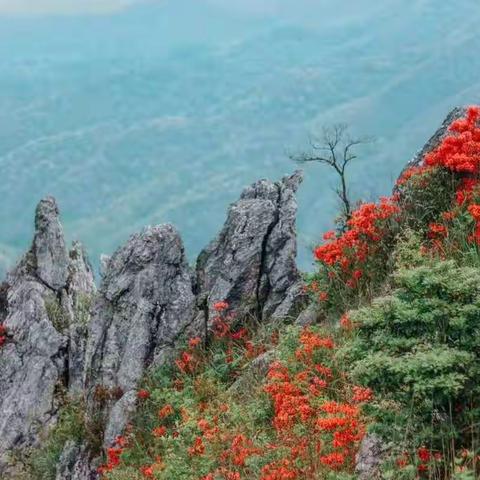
436	230
361	394
3	335
345	322
413	172
474	211
464	192
349	251
187	363
165	411
113	455
198	448
282	470
148	471
220	306
299	393
310	434
459	152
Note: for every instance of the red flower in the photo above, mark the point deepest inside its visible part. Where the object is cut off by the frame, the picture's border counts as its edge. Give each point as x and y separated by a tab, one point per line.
437	230
465	191
159	431
220	306
330	235
147	471
333	460
282	470
460	151
198	448
121	441
193	342
412	172
448	216
357	274
243	332
143	394
474	211
366	228
165	411
323	296
345	322
403	461
424	454
361	394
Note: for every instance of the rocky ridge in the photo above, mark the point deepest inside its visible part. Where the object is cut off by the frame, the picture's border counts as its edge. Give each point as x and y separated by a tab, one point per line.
65	338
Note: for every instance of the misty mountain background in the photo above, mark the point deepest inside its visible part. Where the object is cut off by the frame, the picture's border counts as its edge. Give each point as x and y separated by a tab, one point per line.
164	111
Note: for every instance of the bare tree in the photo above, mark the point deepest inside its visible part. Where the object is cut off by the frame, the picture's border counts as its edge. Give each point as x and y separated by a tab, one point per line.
335	148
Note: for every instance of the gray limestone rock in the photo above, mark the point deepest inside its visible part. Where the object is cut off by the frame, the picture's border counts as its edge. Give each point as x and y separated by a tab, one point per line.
48	247
75	464
252	261
34	360
309	316
63	336
77	300
144	305
370	457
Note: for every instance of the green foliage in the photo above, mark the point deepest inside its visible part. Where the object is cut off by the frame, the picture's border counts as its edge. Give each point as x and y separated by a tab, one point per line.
205	395
56	314
419	349
42	462
407	253
82	306
425	195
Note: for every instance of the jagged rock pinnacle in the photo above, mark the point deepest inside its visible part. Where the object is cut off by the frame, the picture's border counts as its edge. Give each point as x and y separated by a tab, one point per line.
49	245
253	259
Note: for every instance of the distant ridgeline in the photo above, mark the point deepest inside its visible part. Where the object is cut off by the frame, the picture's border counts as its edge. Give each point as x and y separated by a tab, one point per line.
242	368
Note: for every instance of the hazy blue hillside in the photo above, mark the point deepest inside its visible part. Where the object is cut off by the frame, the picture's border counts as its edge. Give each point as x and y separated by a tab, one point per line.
163	113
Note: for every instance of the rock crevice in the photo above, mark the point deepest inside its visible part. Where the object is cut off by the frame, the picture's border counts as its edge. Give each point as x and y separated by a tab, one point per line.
252	262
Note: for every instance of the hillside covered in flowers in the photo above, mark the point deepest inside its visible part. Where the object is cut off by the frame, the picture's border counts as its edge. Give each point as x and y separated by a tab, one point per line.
373	375
395	354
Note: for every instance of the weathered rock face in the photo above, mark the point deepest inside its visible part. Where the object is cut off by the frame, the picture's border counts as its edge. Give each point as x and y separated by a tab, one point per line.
252	261
370	457
35	359
48	249
146	302
3	301
77	300
74	464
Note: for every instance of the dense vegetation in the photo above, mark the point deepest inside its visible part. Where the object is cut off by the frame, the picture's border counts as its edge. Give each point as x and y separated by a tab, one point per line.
396	354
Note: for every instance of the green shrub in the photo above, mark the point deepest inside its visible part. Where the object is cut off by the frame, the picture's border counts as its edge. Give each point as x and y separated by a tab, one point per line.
42	462
419	349
56	314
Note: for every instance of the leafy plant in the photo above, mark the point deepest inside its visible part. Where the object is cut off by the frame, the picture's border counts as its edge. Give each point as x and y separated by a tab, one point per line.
418	349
